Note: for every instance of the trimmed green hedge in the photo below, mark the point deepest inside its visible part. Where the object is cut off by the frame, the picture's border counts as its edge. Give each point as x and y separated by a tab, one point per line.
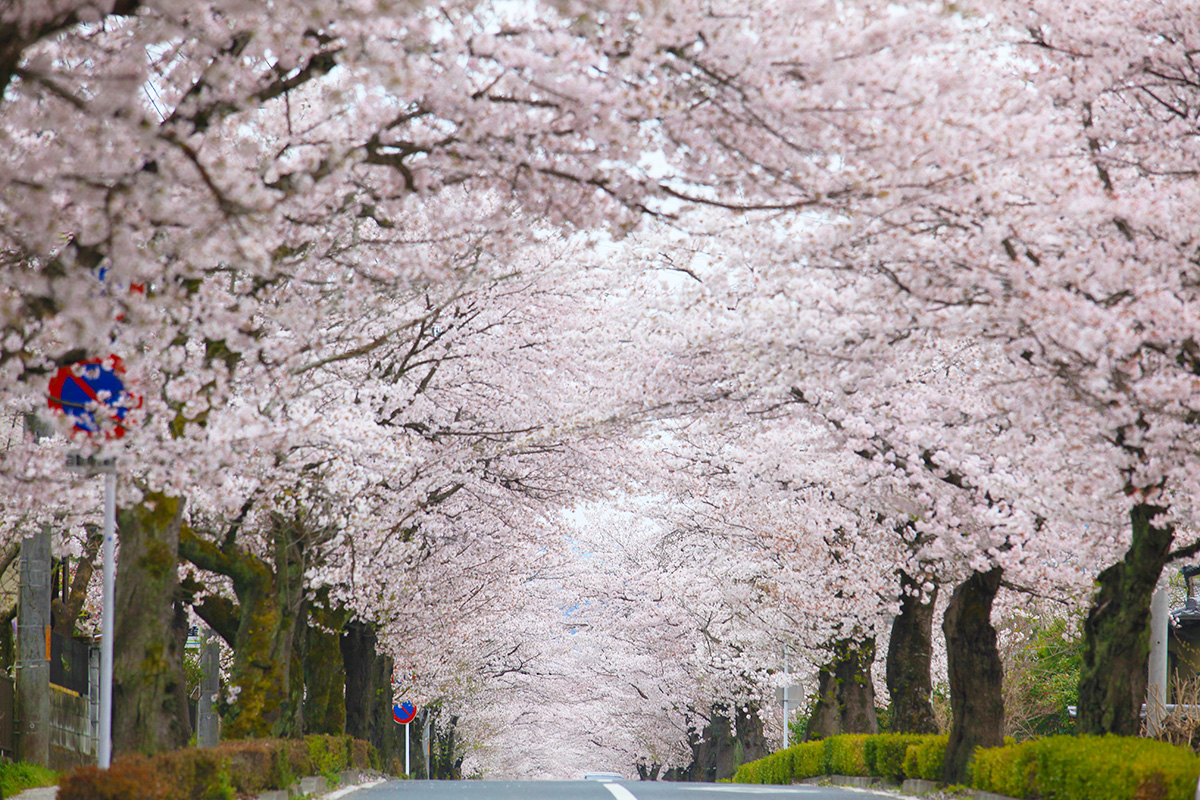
926	759
1088	768
223	772
1061	767
887	755
884	756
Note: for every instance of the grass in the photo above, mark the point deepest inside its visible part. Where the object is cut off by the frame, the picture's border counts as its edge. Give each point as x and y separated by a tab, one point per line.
17	777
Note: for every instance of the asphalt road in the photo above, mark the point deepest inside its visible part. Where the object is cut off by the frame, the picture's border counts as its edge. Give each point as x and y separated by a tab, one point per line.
598	790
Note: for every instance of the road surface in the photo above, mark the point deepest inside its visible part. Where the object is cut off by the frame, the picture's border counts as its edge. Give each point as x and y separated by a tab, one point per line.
601	790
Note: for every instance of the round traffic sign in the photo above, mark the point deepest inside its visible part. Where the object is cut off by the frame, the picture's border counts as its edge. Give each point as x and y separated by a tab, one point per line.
404	713
81	389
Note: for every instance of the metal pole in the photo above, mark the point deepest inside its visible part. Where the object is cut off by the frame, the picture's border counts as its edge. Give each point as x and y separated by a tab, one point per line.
785	718
107	625
786	686
1156	690
407	771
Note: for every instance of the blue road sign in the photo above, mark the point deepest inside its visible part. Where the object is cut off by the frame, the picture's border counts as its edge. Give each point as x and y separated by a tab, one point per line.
404	713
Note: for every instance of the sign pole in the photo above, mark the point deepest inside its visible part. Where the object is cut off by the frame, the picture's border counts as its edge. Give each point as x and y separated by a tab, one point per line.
404	713
107	626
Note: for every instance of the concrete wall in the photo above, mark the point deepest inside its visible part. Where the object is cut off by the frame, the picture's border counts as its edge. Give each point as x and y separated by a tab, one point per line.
71	741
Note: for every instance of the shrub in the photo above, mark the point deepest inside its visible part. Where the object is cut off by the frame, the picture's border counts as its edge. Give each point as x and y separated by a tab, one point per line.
891	756
327	753
885	754
846	755
131	778
804	760
808	760
1088	768
219	773
926	759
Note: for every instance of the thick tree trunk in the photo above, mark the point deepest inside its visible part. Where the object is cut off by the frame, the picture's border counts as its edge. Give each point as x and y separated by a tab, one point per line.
858	689
723	747
909	656
149	691
845	692
826	717
266	700
324	672
1116	635
369	693
976	674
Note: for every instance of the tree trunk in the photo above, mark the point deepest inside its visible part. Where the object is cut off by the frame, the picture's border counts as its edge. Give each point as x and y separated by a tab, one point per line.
8	648
66	611
324	672
910	653
976	674
826	718
445	763
1116	635
263	700
369	694
149	691
845	692
726	744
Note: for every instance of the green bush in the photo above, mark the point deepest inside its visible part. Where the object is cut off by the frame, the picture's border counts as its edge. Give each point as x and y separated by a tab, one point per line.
1088	768
885	754
846	755
809	760
16	777
850	754
927	758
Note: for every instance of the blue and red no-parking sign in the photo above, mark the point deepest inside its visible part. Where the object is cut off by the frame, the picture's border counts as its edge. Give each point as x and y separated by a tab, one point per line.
94	386
404	713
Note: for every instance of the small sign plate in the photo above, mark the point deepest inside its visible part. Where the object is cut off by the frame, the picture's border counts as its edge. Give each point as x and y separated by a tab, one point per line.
91	465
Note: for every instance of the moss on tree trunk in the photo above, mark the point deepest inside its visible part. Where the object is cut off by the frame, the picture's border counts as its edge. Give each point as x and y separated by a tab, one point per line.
264	700
845	691
149	691
369	693
1116	635
324	670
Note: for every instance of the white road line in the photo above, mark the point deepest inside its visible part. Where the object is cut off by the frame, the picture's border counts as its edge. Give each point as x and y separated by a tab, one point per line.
619	791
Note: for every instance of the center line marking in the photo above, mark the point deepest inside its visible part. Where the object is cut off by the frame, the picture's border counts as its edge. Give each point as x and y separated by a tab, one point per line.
619	791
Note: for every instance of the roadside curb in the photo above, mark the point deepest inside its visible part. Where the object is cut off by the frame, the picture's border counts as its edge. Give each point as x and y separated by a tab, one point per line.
912	787
318	785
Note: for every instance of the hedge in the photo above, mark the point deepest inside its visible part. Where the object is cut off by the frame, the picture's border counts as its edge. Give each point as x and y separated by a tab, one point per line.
1088	768
1059	767
926	759
217	773
885	756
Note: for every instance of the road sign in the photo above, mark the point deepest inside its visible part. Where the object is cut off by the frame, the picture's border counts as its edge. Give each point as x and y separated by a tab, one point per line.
91	465
789	694
79	389
404	713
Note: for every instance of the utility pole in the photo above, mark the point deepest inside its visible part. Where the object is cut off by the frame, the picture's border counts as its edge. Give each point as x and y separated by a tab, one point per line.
207	722
1156	686
33	648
